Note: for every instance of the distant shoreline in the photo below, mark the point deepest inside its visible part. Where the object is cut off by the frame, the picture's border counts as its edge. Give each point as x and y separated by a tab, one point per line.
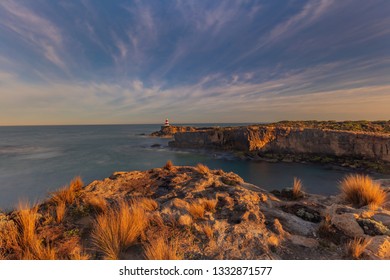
359	145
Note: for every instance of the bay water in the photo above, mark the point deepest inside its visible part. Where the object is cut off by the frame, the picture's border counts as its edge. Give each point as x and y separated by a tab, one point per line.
37	160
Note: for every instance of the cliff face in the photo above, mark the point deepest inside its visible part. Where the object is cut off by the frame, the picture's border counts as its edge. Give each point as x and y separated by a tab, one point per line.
289	140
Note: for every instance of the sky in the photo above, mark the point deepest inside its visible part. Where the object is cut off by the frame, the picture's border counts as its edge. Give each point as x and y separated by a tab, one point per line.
125	62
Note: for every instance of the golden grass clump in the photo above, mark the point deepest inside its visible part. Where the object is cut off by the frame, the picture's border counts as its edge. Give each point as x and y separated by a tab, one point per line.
78	254
76	184
196	210
117	229
168	165
147	203
209	204
297	188
29	246
26	220
208	230
98	203
37	251
202	169
361	190
356	247
60	211
162	249
67	194
8	239
185	220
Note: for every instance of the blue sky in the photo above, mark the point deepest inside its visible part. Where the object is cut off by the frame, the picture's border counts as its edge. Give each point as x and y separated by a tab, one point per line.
101	62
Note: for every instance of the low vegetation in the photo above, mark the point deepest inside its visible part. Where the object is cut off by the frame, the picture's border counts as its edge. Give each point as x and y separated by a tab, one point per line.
364	126
202	169
117	229
196	210
209	204
67	194
168	166
361	190
161	248
356	247
297	188
60	211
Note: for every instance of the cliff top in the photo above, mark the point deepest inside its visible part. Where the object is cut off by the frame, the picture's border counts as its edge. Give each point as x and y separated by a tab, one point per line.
181	212
357	126
376	127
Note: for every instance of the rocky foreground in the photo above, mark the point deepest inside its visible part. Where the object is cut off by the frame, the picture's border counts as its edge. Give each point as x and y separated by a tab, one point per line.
194	213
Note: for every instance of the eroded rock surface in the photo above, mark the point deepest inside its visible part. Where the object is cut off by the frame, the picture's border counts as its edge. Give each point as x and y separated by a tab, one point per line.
211	214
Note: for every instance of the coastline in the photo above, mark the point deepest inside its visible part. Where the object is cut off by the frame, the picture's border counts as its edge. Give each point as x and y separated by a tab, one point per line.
364	151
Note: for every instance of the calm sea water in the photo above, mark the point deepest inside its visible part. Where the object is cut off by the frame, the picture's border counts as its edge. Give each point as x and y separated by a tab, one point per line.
36	160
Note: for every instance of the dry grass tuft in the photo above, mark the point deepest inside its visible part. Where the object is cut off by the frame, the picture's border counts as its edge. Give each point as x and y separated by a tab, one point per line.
202	169
116	229
63	195
79	254
361	190
356	247
168	165
185	220
76	184
29	246
196	210
98	203
161	249
147	203
37	251
325	228
26	220
9	236
67	194
60	211
297	188
209	204
208	230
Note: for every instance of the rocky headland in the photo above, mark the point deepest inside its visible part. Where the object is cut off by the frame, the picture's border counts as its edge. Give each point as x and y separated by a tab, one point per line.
364	145
182	212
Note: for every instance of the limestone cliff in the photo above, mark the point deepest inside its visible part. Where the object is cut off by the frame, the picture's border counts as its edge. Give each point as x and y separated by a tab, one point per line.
289	140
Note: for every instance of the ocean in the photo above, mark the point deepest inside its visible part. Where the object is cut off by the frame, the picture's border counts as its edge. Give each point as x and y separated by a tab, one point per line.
37	160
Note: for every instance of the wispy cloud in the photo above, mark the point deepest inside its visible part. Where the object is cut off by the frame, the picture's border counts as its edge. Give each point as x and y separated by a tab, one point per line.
299	95
192	60
34	29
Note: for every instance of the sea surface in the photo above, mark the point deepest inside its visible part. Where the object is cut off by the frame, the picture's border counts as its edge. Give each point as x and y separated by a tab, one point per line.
36	160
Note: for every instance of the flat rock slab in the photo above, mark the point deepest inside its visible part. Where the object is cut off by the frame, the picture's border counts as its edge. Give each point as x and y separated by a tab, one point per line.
303	241
347	223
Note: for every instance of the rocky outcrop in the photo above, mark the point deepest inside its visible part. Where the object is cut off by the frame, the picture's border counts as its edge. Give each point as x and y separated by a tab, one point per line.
201	214
169	131
287	140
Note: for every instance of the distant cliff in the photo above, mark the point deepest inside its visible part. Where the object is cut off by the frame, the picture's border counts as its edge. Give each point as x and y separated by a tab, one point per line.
169	131
278	139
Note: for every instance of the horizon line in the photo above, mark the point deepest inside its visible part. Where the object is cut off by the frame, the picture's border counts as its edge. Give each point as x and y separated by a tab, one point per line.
188	123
